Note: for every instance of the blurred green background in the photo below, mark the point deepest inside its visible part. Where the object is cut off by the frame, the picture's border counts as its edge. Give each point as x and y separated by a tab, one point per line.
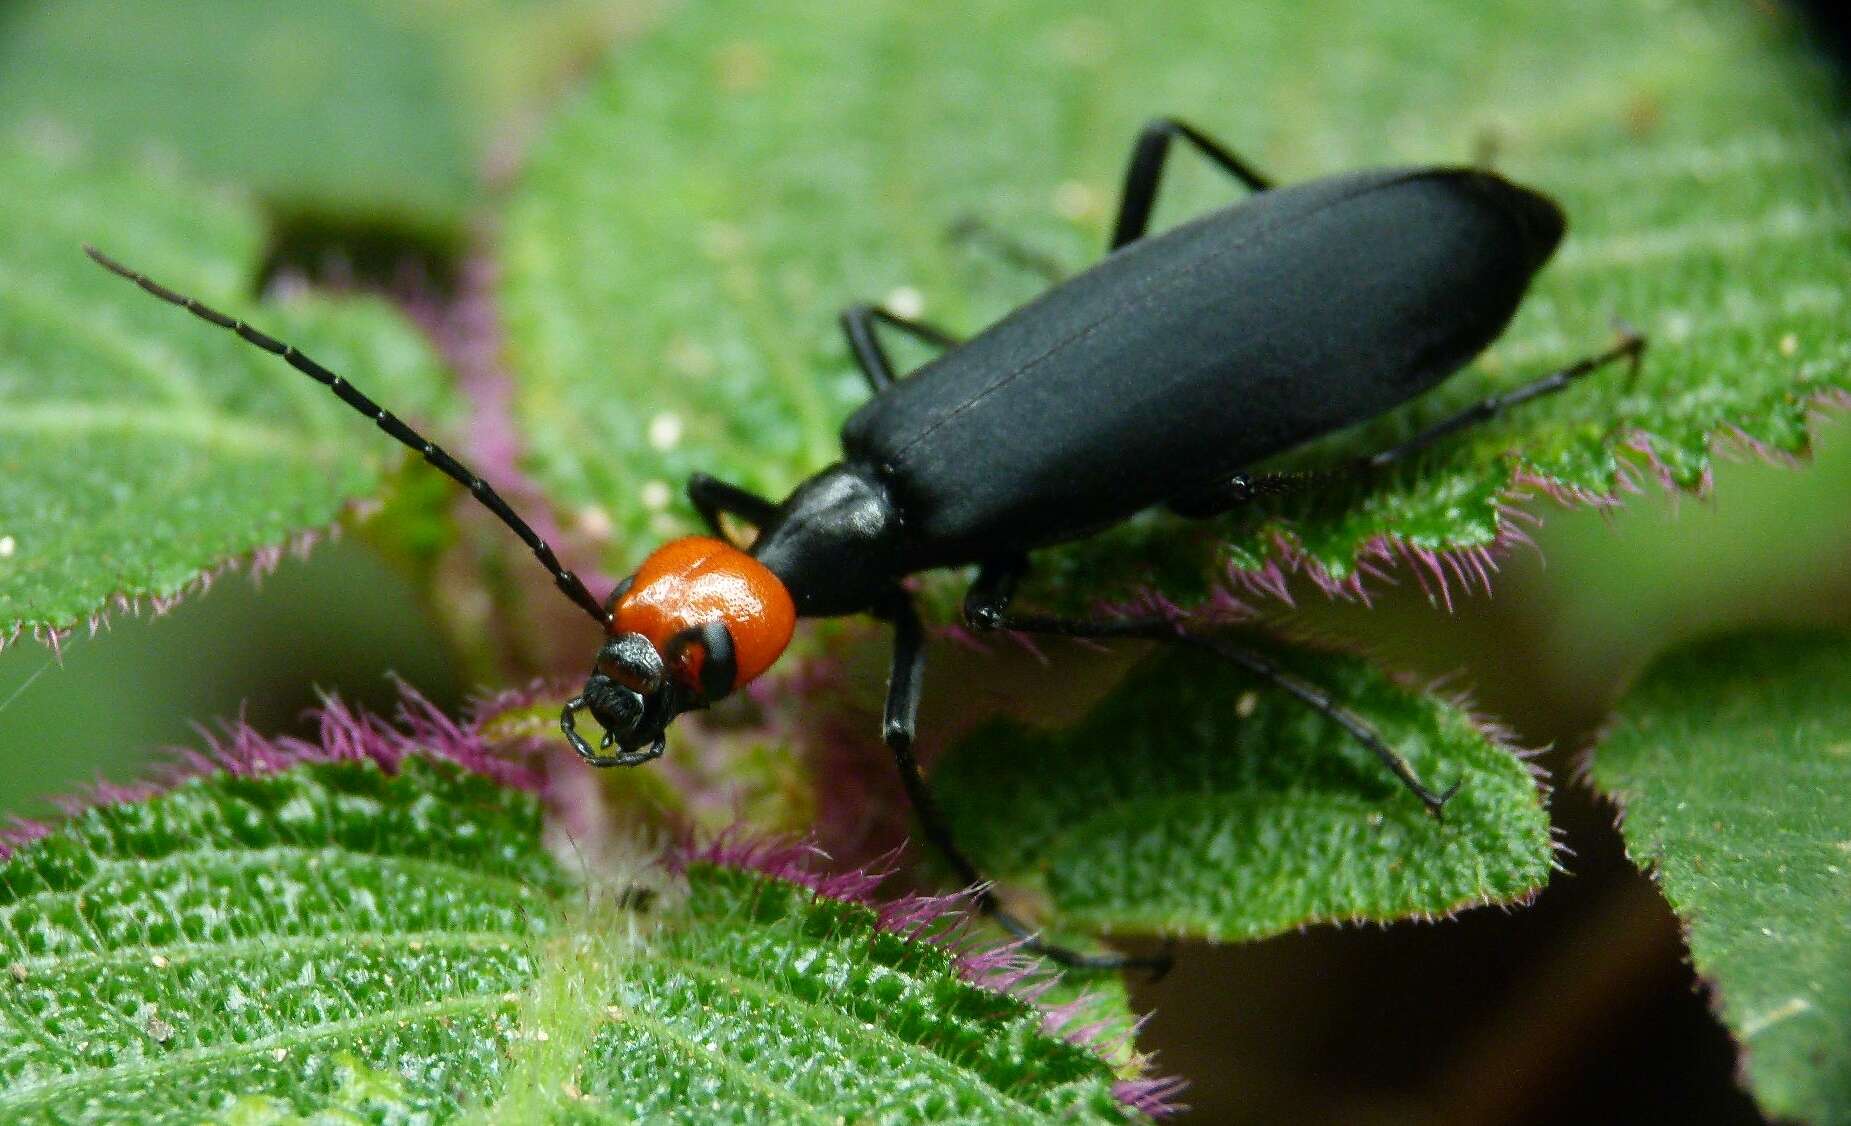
376	133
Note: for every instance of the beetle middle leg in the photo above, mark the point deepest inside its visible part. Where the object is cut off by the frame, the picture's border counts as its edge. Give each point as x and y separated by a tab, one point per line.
861	324
898	729
986	606
1144	173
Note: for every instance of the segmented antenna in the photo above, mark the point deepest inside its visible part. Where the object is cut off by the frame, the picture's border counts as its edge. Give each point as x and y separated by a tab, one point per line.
389	422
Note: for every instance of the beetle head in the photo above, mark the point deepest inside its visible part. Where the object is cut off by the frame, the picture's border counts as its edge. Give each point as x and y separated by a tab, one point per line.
633	698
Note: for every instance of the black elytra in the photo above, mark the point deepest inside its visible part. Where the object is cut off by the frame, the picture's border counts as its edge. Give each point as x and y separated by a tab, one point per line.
1160	376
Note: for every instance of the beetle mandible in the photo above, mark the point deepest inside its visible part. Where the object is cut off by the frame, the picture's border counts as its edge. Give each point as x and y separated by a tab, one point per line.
1159	376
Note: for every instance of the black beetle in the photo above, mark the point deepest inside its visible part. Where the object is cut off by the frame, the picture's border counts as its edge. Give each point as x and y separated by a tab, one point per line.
1159	376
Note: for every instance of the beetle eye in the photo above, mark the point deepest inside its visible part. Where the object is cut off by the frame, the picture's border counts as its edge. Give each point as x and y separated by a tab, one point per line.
631	660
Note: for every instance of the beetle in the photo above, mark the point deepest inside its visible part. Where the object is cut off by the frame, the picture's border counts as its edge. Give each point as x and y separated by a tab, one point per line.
1160	376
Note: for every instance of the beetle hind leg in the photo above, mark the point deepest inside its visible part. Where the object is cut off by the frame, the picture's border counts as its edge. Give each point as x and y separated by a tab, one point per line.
1242	488
986	607
1631	348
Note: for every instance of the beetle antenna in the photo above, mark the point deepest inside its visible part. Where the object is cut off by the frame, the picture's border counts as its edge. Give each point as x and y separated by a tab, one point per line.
569	583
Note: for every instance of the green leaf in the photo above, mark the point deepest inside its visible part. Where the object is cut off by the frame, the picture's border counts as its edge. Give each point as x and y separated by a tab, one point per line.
1196	801
400	945
687	232
139	448
1731	760
291	937
339	109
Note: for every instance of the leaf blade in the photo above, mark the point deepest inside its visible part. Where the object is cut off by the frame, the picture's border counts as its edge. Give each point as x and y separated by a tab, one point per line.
1728	760
339	111
143	450
1197	801
359	927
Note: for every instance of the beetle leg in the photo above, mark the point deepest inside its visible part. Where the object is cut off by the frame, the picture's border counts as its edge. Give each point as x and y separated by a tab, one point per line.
973	230
1240	488
712	496
1630	348
860	323
898	728
1144	173
986	607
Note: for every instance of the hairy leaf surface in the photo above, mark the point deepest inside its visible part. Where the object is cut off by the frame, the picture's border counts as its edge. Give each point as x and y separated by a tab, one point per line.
400	945
141	448
1197	801
1730	762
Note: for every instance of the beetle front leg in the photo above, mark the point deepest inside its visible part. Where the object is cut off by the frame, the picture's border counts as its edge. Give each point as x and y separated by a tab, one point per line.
898	728
712	496
986	606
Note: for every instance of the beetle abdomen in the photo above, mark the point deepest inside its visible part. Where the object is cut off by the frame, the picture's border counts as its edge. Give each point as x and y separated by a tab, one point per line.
1191	355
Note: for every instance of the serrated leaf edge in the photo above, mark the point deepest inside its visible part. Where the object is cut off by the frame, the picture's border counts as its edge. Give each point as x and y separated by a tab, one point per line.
344	735
945	921
1471	567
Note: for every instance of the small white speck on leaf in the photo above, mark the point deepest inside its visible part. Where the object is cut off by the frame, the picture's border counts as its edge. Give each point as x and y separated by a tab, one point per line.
1074	201
8	545
1789	344
160	961
905	302
595	522
665	431
1246	704
279	1054
656	495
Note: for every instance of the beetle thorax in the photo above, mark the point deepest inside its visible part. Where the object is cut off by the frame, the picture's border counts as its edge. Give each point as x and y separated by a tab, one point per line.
690	582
